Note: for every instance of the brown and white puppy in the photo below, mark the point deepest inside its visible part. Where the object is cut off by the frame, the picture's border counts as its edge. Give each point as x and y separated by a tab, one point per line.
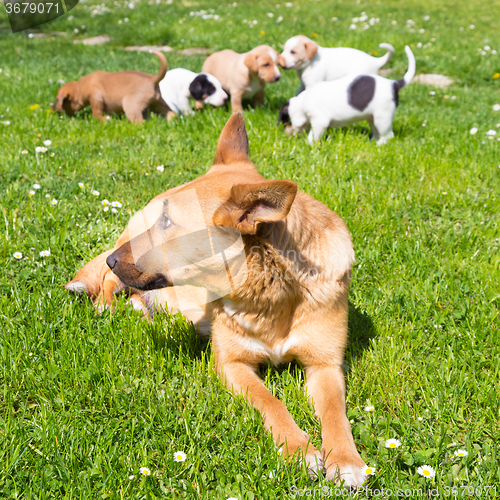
244	76
131	92
292	303
315	64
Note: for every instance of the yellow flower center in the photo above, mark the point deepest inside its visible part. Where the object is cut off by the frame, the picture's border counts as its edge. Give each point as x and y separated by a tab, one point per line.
460	454
426	472
393	445
369	471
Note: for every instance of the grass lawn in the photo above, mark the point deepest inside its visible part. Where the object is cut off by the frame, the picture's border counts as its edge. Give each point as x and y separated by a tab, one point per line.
86	400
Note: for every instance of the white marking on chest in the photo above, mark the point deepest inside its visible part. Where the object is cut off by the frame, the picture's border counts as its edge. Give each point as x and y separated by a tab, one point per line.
276	353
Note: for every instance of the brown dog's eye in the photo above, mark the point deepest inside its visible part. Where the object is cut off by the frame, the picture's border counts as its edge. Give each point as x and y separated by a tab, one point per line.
266	65
292	52
165	222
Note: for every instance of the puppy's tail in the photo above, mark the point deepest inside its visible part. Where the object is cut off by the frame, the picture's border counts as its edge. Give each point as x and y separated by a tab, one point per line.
387	57
163	69
411	69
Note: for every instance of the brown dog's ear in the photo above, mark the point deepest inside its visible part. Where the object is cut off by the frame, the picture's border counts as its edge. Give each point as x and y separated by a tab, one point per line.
251	62
311	49
281	61
233	142
250	204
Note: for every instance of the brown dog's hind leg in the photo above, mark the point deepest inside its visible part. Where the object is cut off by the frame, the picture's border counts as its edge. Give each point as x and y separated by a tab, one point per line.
97	105
133	110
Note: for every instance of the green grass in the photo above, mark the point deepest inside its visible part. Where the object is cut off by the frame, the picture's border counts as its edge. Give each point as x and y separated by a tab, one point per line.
86	400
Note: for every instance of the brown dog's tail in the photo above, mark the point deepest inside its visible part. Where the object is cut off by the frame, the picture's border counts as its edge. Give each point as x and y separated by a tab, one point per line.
163	70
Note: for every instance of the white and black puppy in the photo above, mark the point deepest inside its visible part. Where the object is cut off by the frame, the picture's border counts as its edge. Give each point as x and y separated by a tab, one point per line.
315	64
345	101
180	85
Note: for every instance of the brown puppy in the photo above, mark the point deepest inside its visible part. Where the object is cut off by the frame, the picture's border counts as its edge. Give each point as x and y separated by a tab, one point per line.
131	92
292	303
244	76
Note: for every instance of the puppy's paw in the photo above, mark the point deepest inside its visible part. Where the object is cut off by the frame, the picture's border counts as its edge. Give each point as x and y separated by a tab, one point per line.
77	287
315	465
350	475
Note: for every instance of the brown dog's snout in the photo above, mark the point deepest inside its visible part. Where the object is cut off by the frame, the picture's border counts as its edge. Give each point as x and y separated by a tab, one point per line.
111	261
277	78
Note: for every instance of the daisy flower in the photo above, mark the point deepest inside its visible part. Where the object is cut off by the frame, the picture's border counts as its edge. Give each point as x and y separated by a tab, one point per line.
491	132
161	168
420	418
24	152
368	471
280	452
496	107
19	255
272	474
105	209
458	453
36	186
47	143
32	193
426	471
81	185
105	202
116	204
179	456
473	130
6	122
38	149
144	471
369	408
53	201
352	27
114	210
392	443
44	253
95	192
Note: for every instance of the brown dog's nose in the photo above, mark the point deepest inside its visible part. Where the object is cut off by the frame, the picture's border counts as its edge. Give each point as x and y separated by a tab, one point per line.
111	261
276	78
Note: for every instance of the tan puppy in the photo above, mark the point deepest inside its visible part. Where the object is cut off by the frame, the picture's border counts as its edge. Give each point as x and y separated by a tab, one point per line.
131	92
291	305
244	76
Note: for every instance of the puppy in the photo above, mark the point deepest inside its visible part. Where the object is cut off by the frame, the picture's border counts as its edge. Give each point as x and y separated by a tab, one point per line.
345	101
315	64
131	92
244	76
286	260
180	85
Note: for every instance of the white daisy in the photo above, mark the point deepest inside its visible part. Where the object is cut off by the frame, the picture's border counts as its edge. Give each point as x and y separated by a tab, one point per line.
105	209
47	142
43	150
32	193
461	453
81	185
272	474
179	456
496	107
19	255
352	27
105	202
44	253
392	443
24	152
369	408
53	201
426	18
38	149
161	168
114	211
144	471
473	130
432	92
116	204
491	132
420	418
426	471
95	192
6	122
368	471
36	186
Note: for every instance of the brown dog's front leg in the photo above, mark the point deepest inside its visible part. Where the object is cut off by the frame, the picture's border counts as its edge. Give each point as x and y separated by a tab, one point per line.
258	98
97	107
241	378
326	387
236	101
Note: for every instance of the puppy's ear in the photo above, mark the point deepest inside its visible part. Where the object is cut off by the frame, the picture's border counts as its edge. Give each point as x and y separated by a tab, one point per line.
281	61
196	88
233	142
251	204
251	62
311	49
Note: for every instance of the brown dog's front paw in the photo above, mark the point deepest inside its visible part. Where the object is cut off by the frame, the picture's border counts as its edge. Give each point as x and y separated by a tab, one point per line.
315	465
348	474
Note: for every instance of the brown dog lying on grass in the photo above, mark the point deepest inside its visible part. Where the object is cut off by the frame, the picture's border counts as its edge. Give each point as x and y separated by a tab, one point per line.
291	304
131	92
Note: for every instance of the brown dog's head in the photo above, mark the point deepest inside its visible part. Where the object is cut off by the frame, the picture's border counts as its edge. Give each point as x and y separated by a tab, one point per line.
67	99
298	52
188	234
264	60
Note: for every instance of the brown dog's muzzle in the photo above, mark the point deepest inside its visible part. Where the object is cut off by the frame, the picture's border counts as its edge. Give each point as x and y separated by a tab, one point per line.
122	263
